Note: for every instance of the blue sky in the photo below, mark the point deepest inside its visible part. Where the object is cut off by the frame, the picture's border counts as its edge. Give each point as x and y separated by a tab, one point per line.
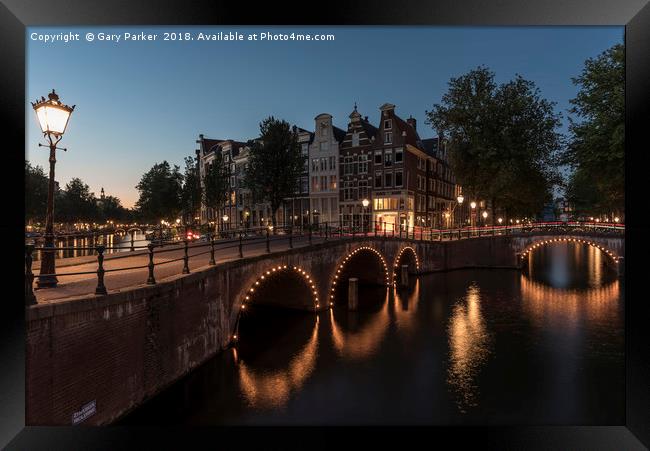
139	103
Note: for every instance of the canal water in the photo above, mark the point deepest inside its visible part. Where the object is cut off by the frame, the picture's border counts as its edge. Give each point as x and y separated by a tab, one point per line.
488	347
113	242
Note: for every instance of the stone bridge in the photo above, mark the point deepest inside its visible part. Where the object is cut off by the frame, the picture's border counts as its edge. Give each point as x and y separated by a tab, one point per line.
120	349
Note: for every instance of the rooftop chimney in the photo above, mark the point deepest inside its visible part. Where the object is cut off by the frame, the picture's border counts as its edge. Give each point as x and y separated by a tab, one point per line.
412	122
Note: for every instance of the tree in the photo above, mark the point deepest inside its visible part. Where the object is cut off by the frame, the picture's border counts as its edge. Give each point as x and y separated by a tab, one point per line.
596	151
111	209
160	192
503	140
191	192
216	183
76	203
36	186
275	164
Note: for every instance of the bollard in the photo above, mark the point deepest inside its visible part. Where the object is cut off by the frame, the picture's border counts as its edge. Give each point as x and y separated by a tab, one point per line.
151	280
404	279
211	262
310	235
241	250
132	240
374	226
400	232
268	241
186	266
384	230
101	289
353	293
326	230
291	238
30	299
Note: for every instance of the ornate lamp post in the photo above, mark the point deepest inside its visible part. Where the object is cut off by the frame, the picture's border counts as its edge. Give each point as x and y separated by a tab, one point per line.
472	204
224	219
460	200
53	117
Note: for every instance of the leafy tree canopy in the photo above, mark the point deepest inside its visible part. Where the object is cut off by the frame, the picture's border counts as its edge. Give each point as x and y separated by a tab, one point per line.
596	151
503	140
160	193
275	164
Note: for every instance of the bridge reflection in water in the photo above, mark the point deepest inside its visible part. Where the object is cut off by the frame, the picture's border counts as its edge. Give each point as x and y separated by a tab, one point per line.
468	346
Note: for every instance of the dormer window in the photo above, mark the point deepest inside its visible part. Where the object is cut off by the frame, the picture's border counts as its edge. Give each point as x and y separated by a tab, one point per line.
388	124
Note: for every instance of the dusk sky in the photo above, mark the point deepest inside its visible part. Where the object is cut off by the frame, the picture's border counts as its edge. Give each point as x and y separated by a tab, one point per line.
139	103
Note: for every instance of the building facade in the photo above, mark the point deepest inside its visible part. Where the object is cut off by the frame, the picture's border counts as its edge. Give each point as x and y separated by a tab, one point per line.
297	209
238	210
323	170
355	172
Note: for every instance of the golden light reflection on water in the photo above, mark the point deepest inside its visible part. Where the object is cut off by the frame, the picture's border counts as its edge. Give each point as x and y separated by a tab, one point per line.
405	307
363	343
543	303
469	347
272	388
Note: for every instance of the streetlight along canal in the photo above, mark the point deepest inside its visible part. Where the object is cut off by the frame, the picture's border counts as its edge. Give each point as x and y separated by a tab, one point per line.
462	347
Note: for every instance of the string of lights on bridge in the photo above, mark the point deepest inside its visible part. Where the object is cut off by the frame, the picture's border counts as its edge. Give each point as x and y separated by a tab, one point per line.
399	258
348	257
574	240
276	269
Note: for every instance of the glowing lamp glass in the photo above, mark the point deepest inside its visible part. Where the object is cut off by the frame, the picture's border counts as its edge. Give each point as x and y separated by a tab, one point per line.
52	115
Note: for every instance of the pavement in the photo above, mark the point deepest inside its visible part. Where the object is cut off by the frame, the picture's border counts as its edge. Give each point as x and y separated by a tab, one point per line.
130	269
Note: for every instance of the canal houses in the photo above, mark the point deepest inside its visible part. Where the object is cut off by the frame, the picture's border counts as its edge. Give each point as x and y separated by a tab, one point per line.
355	172
407	181
296	209
323	170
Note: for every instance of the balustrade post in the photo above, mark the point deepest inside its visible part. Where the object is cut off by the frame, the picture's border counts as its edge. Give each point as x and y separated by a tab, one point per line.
101	289
30	299
186	266
151	280
212	262
374	226
132	240
241	250
400	232
326	230
268	241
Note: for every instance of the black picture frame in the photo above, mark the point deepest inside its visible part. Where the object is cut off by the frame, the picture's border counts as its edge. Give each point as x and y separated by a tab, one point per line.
15	15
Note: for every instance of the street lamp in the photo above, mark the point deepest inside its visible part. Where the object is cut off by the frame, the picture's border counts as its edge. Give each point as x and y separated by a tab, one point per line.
365	203
53	117
500	220
225	220
485	215
472	204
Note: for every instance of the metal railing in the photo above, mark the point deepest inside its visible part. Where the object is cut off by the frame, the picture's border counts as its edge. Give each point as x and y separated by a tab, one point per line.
242	238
